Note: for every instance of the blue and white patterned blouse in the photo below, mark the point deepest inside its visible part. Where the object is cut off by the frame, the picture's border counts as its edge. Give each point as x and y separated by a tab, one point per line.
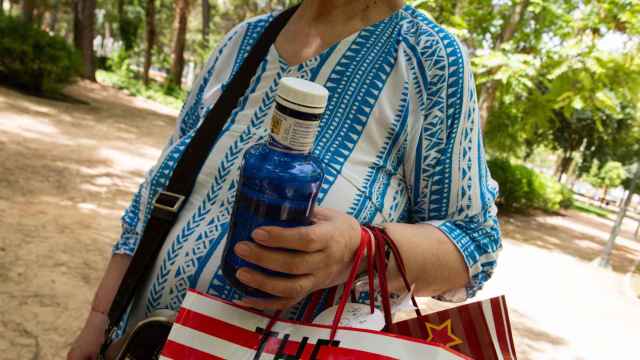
400	142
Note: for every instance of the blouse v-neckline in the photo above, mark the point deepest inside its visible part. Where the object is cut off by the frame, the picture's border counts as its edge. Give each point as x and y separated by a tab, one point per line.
314	59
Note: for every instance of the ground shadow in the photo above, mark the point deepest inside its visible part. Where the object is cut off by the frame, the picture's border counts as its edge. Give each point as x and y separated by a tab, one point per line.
75	153
67	171
59	97
529	339
569	237
121	117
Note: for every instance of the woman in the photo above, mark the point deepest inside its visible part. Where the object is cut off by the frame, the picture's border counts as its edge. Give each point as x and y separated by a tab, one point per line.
401	145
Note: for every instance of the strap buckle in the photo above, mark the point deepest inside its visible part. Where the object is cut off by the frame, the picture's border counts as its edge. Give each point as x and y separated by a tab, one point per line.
109	334
168	201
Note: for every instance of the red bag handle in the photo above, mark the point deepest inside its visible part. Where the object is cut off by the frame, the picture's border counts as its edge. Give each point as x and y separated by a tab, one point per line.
365	241
365	245
381	238
370	267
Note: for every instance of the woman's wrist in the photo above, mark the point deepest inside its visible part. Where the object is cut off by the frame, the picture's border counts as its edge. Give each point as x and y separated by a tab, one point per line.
99	311
97	317
96	323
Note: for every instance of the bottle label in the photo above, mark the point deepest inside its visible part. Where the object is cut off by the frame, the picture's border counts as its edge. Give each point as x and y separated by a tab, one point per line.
291	134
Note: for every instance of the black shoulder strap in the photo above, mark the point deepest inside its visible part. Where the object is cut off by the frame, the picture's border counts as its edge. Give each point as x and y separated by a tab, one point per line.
169	202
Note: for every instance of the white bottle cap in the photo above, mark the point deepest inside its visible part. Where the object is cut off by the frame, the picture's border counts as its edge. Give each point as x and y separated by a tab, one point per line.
302	95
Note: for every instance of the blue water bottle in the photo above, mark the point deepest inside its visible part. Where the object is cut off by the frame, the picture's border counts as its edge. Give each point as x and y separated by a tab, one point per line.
279	180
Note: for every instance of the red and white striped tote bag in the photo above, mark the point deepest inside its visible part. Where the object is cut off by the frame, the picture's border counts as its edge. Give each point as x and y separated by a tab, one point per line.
211	328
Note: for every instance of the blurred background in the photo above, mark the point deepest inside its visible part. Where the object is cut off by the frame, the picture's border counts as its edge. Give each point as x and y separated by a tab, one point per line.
89	93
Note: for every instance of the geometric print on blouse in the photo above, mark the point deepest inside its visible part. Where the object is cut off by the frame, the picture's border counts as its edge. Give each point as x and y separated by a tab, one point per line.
400	142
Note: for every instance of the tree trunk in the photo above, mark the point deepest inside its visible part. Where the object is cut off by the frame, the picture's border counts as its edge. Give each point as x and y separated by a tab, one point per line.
83	33
605	191
151	38
488	96
108	30
528	153
28	7
123	27
570	172
180	31
206	13
487	99
619	204
53	16
77	24
514	20
1	6
604	259
120	10
564	165
460	4
38	15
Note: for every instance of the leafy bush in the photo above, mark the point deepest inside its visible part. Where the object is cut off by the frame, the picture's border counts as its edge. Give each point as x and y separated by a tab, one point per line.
566	201
34	60
126	80
522	189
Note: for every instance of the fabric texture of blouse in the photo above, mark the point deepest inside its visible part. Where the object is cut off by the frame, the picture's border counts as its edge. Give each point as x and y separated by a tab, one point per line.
400	142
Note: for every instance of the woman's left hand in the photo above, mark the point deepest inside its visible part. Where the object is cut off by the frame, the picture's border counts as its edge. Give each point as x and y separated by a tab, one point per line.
323	257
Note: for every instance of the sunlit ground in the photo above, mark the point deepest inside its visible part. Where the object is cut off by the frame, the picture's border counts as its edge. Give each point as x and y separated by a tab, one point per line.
68	170
562	306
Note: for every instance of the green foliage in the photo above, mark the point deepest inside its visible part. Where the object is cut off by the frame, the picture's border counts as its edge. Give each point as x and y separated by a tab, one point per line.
594	103
522	189
626	184
610	175
566	197
573	99
555	86
130	24
475	22
589	209
127	80
120	62
34	60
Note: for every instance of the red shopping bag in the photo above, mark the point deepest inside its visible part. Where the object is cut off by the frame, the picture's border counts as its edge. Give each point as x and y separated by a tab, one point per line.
480	330
211	328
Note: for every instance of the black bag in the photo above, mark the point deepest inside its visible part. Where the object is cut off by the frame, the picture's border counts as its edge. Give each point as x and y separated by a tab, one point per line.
149	335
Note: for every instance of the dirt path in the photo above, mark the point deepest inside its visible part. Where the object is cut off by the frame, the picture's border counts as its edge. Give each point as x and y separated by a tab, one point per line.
66	173
561	305
68	170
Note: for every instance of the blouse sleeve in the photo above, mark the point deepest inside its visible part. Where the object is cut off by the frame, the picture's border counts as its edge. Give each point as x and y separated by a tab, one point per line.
451	185
193	111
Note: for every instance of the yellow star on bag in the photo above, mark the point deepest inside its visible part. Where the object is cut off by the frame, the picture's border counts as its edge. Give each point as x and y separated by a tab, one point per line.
442	334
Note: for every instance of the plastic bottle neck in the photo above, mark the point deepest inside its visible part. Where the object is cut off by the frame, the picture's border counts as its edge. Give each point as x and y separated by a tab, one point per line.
292	130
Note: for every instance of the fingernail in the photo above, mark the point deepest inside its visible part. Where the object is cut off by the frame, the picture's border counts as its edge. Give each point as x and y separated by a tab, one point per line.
243	274
259	235
242	249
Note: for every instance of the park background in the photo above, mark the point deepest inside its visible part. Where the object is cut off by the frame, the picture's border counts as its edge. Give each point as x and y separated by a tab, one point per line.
89	93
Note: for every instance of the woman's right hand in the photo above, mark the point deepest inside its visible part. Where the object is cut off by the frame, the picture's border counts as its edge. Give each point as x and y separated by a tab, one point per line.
87	345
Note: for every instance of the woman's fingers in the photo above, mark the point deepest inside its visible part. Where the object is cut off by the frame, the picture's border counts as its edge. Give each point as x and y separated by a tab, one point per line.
295	287
290	262
322	254
303	238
